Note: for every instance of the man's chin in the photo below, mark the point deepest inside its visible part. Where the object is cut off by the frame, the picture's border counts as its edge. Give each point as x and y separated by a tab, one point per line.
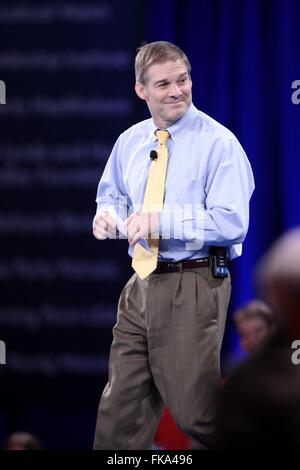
177	114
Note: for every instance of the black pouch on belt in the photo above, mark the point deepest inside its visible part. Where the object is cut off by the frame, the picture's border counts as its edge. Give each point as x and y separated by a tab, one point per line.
219	261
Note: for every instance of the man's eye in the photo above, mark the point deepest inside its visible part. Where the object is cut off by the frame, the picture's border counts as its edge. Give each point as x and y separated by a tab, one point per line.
161	85
183	80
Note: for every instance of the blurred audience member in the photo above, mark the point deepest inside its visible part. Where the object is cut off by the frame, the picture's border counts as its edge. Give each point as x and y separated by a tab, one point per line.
22	441
278	278
259	406
255	324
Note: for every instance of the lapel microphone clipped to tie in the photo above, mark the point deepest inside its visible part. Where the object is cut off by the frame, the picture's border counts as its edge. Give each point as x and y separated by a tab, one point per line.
153	155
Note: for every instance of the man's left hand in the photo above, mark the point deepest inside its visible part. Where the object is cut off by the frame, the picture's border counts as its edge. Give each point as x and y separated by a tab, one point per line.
142	225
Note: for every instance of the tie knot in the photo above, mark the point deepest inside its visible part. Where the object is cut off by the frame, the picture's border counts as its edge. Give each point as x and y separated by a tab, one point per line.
162	136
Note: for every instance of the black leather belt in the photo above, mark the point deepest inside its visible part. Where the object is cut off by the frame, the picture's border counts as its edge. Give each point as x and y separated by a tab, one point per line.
181	265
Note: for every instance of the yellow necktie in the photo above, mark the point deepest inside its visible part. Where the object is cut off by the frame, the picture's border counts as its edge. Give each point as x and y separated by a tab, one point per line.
144	262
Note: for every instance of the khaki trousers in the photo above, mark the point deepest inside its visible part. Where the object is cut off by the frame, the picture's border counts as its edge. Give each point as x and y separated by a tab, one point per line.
165	350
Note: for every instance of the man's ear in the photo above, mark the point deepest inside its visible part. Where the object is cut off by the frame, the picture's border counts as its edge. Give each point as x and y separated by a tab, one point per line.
140	91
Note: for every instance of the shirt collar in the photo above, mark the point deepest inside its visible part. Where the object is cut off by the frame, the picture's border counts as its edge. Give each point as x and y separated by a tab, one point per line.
178	126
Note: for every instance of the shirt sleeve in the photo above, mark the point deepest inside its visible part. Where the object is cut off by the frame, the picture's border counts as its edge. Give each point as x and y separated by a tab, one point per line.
111	193
223	218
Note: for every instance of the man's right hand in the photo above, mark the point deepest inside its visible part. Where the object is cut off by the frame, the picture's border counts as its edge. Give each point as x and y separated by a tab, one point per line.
104	226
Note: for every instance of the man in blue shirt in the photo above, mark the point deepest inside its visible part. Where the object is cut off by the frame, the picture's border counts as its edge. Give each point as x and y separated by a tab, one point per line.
170	325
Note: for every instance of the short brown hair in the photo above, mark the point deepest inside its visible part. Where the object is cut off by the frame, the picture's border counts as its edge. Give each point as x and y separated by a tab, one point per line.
155	53
255	309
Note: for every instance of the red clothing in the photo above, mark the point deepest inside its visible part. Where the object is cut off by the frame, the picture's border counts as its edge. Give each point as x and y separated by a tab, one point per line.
169	436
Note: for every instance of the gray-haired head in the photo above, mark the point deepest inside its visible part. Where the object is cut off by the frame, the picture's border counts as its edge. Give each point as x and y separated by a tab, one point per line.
278	278
156	53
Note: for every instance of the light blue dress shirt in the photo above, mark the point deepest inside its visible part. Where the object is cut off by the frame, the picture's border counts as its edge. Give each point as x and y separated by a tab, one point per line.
208	185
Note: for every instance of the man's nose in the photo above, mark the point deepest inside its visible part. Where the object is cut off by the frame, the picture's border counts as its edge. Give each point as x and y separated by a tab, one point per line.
174	90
